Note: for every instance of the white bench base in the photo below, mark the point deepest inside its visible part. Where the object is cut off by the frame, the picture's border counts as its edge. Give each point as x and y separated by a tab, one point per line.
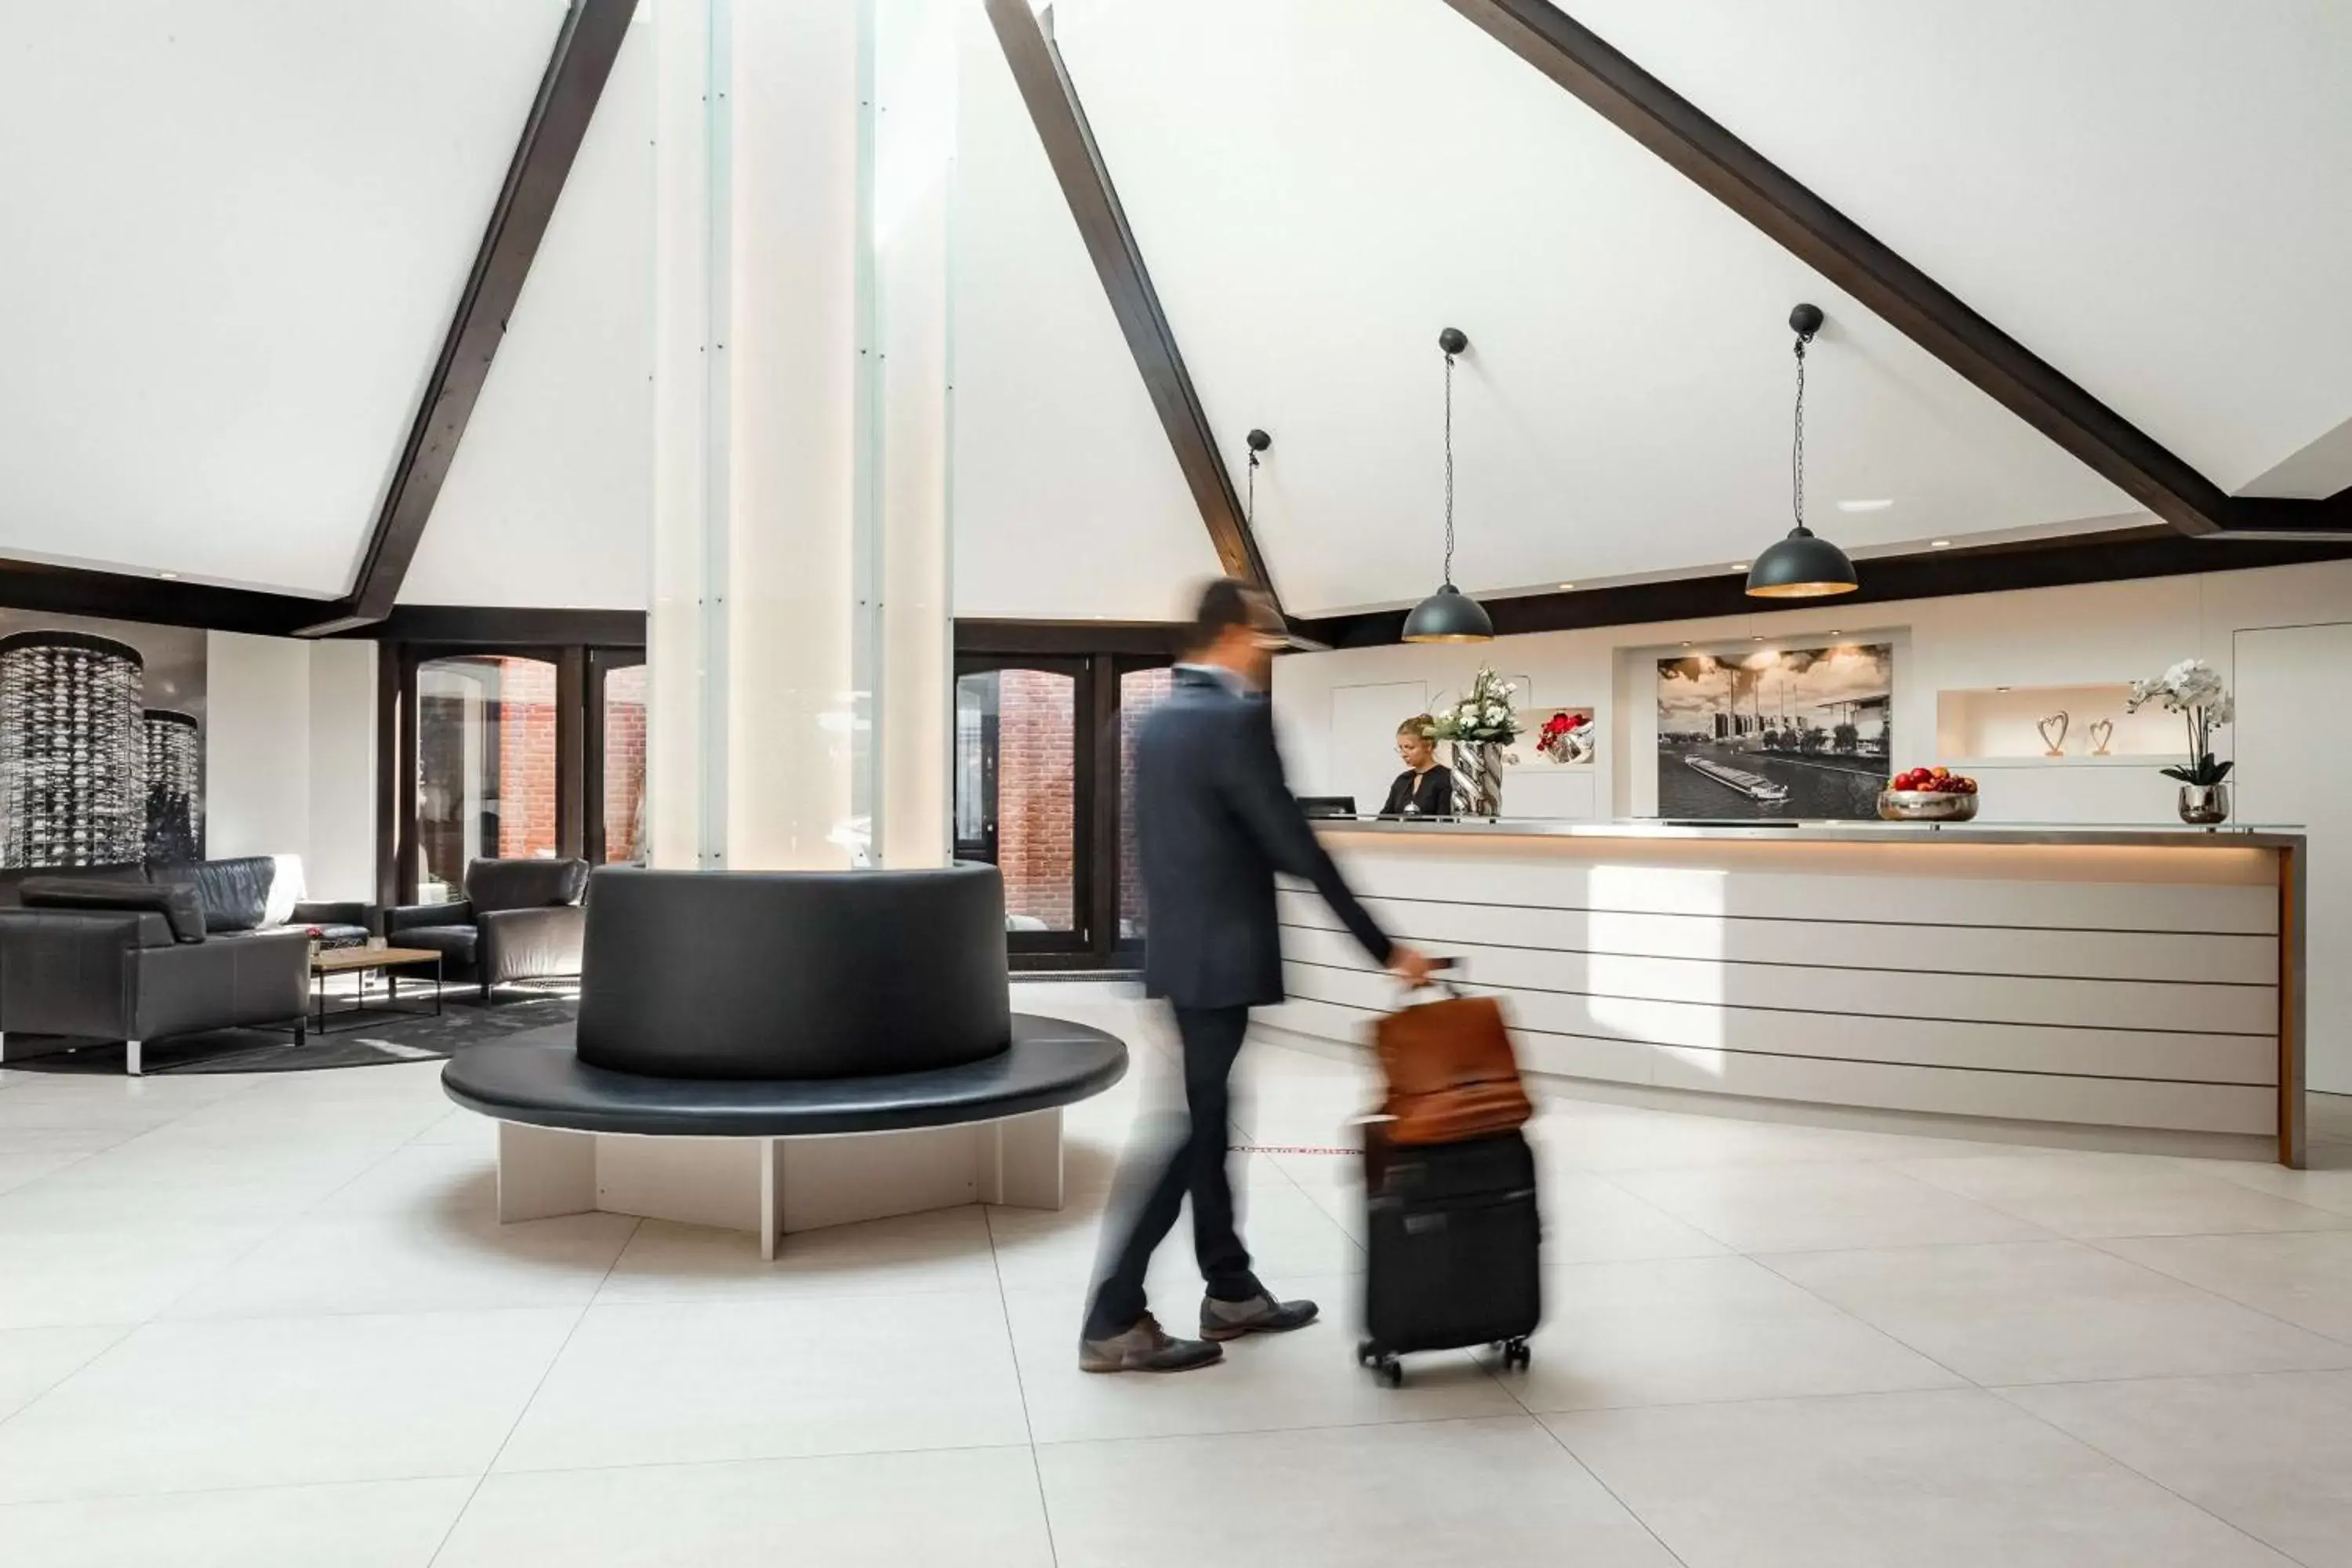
771	1187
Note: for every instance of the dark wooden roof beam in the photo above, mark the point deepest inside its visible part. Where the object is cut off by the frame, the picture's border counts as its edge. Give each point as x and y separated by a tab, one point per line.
1914	303
1061	121
586	47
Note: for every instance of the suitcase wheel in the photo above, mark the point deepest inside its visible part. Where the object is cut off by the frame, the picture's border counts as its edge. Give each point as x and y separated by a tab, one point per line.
1516	1355
1391	1371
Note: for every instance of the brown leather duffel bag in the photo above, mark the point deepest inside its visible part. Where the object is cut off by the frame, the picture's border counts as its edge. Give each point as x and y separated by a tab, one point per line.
1451	1072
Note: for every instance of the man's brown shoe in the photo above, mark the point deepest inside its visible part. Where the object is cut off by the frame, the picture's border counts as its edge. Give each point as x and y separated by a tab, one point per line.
1261	1314
1146	1347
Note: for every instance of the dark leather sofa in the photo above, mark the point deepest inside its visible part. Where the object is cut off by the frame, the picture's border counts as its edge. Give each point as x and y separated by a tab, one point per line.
90	959
519	920
249	893
138	954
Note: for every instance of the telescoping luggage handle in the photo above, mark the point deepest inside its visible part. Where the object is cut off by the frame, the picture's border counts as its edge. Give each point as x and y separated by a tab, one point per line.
1443	976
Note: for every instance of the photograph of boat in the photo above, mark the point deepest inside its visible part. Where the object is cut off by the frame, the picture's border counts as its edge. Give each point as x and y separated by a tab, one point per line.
1789	732
1755	786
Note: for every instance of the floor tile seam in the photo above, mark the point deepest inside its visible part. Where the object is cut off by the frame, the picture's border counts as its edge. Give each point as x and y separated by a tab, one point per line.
1631	1511
2332	1219
1021	1387
2013	1387
76	1499
1663	1214
2344	1213
1765	1261
27	1185
1889	1335
490	1466
1214	1432
787	1458
79	1367
2041	1232
169	1319
2206	1290
270	1233
2129	1469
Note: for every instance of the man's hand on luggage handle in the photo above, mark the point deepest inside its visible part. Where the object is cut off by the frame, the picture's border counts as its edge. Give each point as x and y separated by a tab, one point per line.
1411	965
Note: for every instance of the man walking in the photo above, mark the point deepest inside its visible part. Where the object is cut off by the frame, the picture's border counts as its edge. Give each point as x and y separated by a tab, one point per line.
1215	823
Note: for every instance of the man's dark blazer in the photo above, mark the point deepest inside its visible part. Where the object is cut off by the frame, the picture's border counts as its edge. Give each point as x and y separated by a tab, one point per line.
1214	822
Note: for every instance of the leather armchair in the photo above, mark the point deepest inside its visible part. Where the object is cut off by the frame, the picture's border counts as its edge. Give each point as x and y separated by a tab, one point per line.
120	975
521	920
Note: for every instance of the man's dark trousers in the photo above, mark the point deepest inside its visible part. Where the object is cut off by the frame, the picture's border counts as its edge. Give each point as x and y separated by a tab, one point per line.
1194	1165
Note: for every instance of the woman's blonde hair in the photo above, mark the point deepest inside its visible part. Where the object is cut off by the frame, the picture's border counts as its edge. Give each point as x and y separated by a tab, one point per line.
1420	724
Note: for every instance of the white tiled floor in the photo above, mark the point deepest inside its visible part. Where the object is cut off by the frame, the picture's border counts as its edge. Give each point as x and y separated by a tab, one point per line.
274	1321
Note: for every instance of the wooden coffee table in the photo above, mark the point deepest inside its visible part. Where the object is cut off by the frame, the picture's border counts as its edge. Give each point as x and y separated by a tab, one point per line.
362	961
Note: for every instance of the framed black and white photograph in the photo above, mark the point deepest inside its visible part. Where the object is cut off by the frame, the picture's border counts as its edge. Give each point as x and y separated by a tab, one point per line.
101	742
1785	732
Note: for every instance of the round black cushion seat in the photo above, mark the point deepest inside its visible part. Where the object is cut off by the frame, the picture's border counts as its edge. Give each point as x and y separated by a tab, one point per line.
537	1079
792	974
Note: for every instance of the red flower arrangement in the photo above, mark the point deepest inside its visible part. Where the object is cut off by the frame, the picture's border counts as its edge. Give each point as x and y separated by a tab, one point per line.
1565	737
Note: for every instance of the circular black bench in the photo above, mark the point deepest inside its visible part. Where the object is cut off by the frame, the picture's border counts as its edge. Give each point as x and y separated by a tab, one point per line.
538	1080
743	1032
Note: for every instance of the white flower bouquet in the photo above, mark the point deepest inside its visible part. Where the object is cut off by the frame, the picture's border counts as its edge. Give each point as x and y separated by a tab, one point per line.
2193	689
1483	716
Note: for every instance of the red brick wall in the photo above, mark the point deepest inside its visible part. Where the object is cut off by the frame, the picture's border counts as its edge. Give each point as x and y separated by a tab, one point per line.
526	758
1036	793
624	762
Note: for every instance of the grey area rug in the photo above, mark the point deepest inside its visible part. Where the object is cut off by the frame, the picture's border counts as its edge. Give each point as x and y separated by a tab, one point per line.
378	1040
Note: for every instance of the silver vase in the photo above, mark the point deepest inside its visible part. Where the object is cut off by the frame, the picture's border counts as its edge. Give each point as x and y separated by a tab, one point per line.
1478	778
2203	806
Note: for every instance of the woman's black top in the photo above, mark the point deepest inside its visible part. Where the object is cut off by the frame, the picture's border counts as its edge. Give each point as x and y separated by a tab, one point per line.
1421	795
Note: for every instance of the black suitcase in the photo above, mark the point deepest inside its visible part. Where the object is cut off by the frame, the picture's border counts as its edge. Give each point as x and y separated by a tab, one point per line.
1452	1245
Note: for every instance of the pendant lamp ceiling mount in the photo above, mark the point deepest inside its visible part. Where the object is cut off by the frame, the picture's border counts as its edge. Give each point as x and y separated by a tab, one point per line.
1804	565
1449	615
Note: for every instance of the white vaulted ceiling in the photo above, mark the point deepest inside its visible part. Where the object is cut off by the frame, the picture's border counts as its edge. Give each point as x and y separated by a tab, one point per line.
2154	196
1319	185
235	237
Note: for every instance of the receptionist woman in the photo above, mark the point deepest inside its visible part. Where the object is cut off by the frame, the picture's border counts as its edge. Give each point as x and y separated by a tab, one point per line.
1425	788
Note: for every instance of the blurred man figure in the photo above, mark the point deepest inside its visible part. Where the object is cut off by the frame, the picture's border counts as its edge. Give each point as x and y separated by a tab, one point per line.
1214	822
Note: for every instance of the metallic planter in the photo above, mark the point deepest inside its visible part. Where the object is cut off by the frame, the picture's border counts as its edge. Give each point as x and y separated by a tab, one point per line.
1478	778
2204	806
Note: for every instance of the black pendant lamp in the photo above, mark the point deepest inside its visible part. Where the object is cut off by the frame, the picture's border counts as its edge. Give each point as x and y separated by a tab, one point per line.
1804	565
1449	615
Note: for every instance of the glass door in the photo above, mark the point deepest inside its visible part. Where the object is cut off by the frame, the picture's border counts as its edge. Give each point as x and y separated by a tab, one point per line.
1023	781
487	762
615	784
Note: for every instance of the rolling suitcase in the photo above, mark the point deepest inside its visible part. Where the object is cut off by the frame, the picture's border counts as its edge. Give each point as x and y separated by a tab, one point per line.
1454	1231
1453	1253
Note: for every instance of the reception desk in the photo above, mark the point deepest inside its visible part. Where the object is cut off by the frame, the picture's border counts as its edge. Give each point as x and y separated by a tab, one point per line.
2146	978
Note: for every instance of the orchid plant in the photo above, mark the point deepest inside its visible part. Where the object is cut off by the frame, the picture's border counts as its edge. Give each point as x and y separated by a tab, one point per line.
1483	716
2193	689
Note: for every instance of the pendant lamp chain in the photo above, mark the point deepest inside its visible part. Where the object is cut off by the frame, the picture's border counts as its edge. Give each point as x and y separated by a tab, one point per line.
1449	468
1797	446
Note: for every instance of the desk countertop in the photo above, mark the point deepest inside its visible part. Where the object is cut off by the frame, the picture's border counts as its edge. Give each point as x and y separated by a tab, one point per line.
2155	834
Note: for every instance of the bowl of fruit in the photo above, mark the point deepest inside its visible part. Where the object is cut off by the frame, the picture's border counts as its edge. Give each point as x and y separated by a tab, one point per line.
1929	794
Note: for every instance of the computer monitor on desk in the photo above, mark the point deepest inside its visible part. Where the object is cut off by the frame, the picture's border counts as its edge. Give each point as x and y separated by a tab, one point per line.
1328	807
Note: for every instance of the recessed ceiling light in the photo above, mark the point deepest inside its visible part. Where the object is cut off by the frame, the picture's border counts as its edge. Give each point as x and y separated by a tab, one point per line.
1836	633
1567	587
1686	645
1940	545
1740	566
1876	505
1754	639
169	576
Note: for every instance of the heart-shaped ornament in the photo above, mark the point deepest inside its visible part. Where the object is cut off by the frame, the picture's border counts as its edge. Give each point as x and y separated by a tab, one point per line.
2054	734
2102	731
